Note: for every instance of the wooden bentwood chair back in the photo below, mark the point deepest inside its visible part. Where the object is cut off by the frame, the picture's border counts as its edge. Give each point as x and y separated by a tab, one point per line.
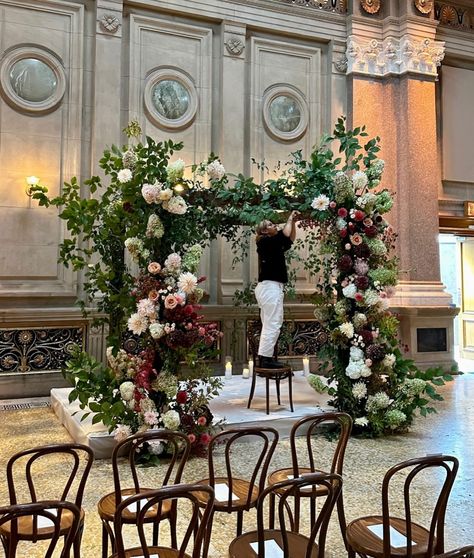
293	544
146	502
418	541
254	329
65	466
320	431
43	521
175	448
464	552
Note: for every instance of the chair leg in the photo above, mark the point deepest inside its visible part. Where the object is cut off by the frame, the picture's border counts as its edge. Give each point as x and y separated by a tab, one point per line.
105	540
312	510
240	522
252	389
271	511
290	391
76	545
267	391
297	514
278	390
174	539
342	519
207	536
351	553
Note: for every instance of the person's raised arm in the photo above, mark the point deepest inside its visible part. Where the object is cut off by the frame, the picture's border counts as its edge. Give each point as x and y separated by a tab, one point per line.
289	229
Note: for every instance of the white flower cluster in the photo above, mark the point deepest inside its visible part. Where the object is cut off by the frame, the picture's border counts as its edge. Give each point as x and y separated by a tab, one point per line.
187	282
136	248
389	360
121	432
347	329
215	170
173	262
357	367
124	176
127	390
349	291
151	192
378	401
171	420
175	171
367	201
359	390
359	180
176	205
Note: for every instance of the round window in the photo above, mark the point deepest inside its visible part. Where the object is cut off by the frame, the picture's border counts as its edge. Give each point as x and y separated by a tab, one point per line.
285	113
170	98
33	80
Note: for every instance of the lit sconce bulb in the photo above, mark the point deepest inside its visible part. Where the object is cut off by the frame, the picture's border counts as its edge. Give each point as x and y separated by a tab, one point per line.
31	181
178	188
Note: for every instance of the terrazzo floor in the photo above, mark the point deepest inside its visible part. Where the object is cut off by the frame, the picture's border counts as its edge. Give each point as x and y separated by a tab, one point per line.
450	431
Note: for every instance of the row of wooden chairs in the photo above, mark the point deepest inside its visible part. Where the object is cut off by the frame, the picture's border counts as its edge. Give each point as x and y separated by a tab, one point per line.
227	491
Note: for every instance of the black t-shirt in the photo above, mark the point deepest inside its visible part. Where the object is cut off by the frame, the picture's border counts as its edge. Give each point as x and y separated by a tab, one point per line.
271	257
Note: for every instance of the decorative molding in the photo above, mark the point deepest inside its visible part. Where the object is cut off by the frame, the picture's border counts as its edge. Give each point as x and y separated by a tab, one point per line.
337	6
234	45
341	64
38	349
454	16
424	6
291	92
109	23
371	6
394	56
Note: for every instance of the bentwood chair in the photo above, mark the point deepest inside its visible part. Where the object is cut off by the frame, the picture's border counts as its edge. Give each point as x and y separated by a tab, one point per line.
187	499
387	536
320	432
270	374
176	448
464	552
236	490
54	471
40	521
263	541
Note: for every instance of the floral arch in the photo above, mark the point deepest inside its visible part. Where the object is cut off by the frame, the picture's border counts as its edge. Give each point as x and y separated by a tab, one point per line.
148	217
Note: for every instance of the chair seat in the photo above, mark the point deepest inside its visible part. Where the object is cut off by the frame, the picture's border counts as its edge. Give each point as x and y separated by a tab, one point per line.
240	488
298	544
25	527
160	551
106	507
281	475
273	373
364	541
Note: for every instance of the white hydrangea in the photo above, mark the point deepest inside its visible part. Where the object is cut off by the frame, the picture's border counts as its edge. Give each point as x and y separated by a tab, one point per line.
359	320
366	201
321	203
156	330
137	324
177	205
389	360
359	180
356	353
349	291
124	176
156	447
127	389
353	369
378	401
361	421
359	390
371	297
171	420
215	170
347	329
341	223
121	432
151	192
175	171
166	194
173	261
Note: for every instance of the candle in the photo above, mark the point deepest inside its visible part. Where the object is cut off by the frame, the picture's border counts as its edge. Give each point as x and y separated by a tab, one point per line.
245	373
305	366
250	367
228	369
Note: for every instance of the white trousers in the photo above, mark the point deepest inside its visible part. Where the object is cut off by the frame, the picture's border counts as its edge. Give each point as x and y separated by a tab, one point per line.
269	295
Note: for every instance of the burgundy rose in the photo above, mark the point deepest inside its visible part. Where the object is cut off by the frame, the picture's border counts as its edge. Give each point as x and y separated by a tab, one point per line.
366	336
342	212
351	227
359	215
345	263
362	250
370	231
343	233
181	397
362	282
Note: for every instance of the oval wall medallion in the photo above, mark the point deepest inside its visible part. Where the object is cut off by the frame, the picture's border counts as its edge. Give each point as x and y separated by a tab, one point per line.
371	6
32	79
424	6
285	112
171	98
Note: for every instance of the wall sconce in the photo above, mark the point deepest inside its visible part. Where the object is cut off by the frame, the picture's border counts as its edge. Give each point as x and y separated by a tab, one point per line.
31	181
178	188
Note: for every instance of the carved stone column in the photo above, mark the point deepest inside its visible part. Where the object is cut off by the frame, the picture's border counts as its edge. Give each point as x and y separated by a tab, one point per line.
392	71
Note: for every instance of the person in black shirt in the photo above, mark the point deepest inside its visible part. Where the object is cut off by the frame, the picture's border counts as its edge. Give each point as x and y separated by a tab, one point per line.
272	275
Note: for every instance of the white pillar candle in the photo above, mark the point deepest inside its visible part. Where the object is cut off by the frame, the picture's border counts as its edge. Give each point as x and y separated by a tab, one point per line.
245	373
228	369
305	366
250	367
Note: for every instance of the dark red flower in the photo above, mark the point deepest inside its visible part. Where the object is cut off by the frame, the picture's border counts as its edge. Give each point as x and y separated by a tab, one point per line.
362	282
370	231
351	227
127	206
367	337
342	212
343	233
375	352
362	250
345	263
359	215
181	397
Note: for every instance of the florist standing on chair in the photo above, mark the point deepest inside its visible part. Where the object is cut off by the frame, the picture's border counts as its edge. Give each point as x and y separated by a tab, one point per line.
272	275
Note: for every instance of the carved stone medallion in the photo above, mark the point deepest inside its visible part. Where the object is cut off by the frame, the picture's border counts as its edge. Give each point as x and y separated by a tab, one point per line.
234	46
109	23
341	64
371	6
424	6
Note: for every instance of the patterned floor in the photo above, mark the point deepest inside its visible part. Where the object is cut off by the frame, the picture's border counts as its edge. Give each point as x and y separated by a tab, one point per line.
450	431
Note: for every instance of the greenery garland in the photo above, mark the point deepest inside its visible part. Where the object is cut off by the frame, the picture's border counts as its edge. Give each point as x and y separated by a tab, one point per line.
160	216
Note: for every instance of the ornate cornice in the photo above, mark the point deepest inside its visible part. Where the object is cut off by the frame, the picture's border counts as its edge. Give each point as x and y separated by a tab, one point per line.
454	16
393	56
337	6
